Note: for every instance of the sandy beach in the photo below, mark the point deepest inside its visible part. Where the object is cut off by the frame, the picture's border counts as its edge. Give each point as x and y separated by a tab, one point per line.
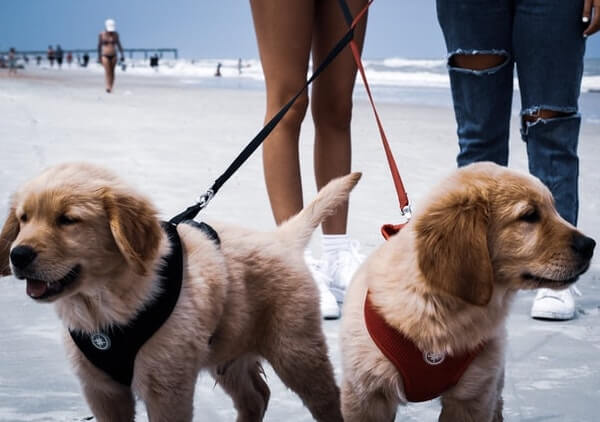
171	139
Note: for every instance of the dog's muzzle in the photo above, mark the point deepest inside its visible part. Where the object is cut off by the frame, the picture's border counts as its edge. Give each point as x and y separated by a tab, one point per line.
41	289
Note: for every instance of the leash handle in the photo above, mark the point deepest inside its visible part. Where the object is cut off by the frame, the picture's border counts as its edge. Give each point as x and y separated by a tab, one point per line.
399	186
193	210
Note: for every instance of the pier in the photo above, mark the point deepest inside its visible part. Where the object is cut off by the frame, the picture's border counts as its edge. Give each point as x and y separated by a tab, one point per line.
94	52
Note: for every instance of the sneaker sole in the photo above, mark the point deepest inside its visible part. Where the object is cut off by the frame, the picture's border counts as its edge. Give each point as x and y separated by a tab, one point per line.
330	312
552	316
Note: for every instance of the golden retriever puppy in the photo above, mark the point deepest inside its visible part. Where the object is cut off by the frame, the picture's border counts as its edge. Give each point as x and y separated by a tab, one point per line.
82	239
444	284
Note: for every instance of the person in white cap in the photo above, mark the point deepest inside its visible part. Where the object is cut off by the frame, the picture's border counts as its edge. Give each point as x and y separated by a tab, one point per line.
108	41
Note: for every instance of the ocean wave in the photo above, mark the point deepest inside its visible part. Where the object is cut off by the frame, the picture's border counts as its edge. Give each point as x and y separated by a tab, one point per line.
397	72
398	62
407	79
590	83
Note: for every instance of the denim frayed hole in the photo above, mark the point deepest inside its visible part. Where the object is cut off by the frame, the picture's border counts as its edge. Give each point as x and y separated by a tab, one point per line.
565	113
497	60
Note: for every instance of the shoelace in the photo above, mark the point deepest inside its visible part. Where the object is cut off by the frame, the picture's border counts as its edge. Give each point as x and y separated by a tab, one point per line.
316	269
559	294
346	264
350	257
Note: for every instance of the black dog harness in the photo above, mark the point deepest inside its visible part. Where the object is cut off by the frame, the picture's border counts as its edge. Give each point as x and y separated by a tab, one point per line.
114	349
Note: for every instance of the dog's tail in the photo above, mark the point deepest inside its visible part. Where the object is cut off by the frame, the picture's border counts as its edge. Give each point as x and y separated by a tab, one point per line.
296	231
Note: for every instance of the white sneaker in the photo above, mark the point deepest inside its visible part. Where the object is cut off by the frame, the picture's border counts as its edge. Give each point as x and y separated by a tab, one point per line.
343	268
553	304
329	306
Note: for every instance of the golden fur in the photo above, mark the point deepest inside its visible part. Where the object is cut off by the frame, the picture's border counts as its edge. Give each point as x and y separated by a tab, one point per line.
254	295
446	281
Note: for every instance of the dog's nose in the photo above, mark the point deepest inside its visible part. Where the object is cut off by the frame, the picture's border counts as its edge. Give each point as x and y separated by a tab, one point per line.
583	245
22	256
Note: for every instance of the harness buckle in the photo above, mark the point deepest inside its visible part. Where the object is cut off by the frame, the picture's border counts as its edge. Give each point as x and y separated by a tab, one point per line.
205	198
406	212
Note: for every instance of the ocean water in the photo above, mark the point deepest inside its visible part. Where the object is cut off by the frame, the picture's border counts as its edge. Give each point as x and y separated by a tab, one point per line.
390	72
395	80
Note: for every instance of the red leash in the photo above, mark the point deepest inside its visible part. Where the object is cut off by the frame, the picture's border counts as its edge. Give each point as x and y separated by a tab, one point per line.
425	375
388	229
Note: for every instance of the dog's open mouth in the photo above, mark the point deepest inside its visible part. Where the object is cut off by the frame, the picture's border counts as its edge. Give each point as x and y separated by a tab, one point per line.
41	289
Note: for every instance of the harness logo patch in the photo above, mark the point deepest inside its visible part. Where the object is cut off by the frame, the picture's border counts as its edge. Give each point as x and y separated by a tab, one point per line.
100	341
434	358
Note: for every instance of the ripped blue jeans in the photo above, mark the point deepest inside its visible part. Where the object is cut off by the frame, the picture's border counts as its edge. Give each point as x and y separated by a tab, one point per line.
544	39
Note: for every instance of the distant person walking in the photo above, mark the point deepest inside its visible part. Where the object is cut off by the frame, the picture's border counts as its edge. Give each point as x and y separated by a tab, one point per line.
59	55
108	41
12	61
218	72
154	61
69	58
50	55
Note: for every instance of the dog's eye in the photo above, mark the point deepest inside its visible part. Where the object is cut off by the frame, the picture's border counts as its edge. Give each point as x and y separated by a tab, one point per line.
23	218
531	216
65	220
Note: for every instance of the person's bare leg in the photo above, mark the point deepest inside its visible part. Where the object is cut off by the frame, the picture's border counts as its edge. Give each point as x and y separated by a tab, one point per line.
109	72
113	62
332	101
283	30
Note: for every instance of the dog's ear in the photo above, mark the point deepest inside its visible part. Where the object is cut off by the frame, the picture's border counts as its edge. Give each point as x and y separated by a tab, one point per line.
9	233
134	227
451	243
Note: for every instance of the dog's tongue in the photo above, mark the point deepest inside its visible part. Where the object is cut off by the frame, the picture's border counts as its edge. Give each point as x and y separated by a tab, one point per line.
36	288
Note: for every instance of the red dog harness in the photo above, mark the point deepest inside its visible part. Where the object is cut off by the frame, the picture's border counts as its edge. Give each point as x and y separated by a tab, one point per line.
425	375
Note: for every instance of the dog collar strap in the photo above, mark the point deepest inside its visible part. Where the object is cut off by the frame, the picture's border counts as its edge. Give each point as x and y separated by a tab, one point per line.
208	230
425	375
114	350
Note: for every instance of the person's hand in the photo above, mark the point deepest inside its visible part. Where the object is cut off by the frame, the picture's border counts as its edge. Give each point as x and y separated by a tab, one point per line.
591	14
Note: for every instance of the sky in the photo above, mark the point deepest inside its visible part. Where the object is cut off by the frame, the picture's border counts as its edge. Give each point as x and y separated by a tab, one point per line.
207	28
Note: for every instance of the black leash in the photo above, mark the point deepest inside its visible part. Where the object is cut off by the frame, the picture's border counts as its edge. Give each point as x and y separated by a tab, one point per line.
346	11
203	201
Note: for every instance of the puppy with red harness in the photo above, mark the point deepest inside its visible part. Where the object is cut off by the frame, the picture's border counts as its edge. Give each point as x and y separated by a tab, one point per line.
425	315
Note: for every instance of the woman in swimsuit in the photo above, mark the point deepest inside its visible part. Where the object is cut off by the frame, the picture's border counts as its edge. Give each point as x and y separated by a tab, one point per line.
107	52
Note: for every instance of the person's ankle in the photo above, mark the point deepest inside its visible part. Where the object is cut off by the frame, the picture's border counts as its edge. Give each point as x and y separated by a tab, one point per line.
331	245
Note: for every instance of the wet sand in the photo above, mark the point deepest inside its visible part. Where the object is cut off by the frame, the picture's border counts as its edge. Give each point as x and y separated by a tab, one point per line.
172	139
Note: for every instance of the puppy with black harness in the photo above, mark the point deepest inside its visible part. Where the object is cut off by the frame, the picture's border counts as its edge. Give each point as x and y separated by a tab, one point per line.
114	350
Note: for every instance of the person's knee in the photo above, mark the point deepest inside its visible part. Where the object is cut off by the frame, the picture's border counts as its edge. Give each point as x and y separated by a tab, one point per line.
545	114
296	113
332	112
550	118
478	62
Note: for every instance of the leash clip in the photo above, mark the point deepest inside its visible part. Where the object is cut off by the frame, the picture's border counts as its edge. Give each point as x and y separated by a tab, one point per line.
205	198
406	212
